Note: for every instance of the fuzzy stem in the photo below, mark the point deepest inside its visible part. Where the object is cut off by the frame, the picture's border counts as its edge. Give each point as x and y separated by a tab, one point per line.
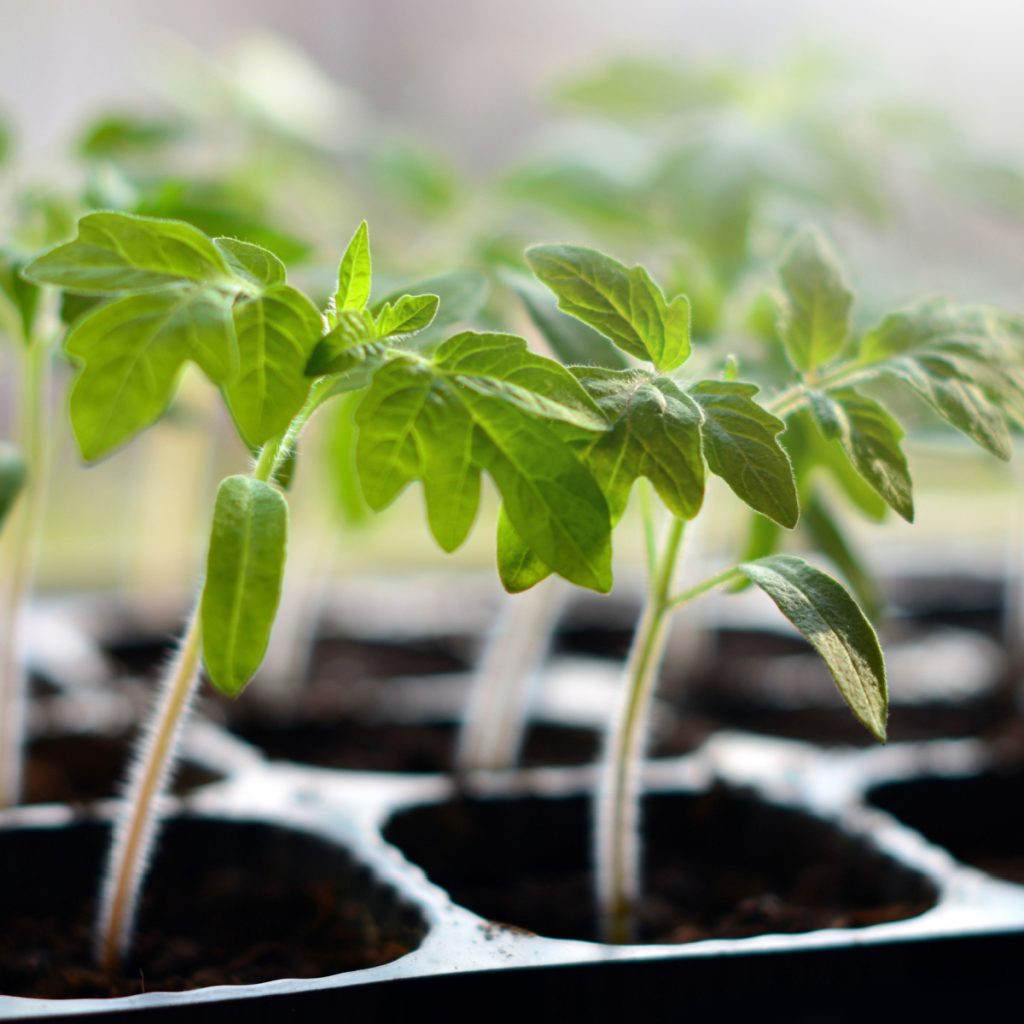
498	708
618	797
24	537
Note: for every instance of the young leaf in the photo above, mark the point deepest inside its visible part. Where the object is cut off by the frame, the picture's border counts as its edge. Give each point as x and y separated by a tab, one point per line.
655	433
252	263
461	295
276	332
21	294
245	566
132	352
409	314
871	439
815	315
741	446
12	477
350	341
354	272
829	618
120	252
623	304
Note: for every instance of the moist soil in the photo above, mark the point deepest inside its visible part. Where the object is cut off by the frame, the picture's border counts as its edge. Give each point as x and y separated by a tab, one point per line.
225	904
719	865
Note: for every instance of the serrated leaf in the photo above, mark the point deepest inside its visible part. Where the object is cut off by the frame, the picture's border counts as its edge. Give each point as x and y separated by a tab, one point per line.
741	446
871	439
251	262
244	570
622	303
122	252
836	628
816	310
12	477
410	313
276	333
519	568
655	433
21	295
132	352
354	273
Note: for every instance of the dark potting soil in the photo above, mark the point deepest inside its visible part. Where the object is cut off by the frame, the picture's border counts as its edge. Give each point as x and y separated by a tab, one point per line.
75	769
719	865
225	904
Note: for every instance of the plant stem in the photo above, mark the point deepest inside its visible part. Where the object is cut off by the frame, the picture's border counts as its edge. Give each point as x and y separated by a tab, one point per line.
618	797
23	540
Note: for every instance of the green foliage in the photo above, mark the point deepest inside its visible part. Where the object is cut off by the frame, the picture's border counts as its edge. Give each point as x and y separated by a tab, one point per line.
354	272
245	567
19	298
252	263
409	314
12	477
829	618
118	135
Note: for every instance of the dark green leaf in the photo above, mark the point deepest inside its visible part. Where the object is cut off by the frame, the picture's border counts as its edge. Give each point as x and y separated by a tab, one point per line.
252	263
518	567
12	477
830	619
352	339
354	273
244	570
741	446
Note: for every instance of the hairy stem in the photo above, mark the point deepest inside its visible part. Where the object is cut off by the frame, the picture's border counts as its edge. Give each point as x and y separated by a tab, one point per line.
498	709
23	548
618	798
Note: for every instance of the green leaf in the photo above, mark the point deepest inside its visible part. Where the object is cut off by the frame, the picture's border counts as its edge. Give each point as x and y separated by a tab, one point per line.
12	477
836	628
354	272
244	570
276	333
351	340
120	252
340	434
20	294
741	446
624	305
409	314
461	295
252	263
871	439
655	433
132	352
817	305
519	568
114	136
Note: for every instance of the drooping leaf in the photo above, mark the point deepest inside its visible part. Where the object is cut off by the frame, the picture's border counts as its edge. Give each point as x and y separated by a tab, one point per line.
121	252
871	438
132	352
354	273
12	477
409	314
815	316
622	303
519	568
834	625
244	570
276	332
251	262
21	295
741	446
655	433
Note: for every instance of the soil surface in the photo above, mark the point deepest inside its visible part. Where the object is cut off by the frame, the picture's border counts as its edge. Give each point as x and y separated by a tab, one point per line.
226	904
721	865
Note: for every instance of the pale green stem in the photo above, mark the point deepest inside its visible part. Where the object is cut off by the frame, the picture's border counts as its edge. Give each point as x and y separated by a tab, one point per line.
22	543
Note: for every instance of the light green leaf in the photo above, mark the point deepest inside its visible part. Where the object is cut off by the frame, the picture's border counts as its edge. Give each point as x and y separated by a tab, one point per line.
816	308
354	273
623	304
132	352
461	295
12	477
244	570
251	262
121	252
871	439
276	332
834	625
655	433
741	446
409	314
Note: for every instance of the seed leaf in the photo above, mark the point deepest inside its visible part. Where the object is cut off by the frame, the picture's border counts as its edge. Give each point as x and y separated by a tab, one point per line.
251	262
622	303
741	446
354	272
276	332
655	433
816	304
132	352
244	570
121	252
12	477
409	314
830	619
